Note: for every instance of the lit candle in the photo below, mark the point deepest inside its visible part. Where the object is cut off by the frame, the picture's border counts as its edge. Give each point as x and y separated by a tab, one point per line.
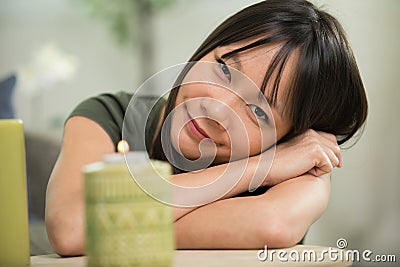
14	237
124	155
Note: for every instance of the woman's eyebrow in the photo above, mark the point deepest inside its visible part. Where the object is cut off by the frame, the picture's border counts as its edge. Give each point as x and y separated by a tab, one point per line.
235	60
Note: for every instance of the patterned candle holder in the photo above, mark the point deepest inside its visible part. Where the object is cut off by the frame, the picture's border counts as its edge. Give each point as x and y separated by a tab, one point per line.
125	226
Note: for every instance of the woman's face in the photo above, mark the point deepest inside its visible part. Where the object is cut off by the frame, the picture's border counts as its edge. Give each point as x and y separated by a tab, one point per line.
220	111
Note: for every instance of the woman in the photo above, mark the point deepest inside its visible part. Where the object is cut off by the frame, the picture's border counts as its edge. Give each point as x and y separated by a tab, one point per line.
299	59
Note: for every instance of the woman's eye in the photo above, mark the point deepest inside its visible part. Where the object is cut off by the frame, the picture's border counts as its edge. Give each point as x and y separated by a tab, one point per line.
259	113
225	70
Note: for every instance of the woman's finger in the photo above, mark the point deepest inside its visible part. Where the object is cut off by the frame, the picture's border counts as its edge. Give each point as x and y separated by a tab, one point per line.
333	157
329	140
324	165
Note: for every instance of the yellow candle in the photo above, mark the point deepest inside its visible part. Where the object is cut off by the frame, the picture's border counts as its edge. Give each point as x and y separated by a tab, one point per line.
14	235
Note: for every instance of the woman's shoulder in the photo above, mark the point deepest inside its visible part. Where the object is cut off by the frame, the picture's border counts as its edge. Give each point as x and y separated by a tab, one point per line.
103	107
114	102
108	110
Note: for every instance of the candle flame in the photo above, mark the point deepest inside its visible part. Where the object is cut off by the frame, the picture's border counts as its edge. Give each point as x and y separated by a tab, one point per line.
123	147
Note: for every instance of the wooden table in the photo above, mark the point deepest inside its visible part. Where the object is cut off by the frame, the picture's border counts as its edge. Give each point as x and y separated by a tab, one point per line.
219	258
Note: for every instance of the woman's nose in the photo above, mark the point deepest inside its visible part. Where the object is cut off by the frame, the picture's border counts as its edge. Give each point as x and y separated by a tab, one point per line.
220	107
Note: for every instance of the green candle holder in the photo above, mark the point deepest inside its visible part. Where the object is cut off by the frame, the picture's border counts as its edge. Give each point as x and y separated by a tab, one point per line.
125	226
14	232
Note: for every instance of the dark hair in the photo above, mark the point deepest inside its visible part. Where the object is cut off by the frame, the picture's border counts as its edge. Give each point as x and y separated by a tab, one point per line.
326	91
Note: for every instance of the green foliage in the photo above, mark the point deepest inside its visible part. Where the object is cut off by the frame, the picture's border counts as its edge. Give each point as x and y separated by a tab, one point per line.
120	15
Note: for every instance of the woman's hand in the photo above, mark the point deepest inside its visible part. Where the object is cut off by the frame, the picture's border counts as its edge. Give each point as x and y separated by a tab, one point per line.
312	152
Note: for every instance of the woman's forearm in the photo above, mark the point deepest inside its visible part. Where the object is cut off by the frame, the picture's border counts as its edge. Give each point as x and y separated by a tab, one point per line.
278	218
211	184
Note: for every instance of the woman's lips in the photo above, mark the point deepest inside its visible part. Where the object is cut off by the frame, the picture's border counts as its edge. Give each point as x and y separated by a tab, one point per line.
196	129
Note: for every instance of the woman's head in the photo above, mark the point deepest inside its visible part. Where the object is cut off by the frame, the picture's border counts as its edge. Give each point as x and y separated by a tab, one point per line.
219	100
303	64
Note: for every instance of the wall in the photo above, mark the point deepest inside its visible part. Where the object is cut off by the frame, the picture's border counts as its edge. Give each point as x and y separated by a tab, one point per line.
365	204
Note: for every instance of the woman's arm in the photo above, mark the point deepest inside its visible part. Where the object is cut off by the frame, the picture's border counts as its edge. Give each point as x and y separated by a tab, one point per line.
281	216
312	152
84	142
278	218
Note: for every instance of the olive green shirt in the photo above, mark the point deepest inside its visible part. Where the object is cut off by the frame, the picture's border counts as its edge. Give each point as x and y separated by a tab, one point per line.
108	110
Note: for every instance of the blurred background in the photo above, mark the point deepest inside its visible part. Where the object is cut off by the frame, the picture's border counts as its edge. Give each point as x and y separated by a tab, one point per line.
63	51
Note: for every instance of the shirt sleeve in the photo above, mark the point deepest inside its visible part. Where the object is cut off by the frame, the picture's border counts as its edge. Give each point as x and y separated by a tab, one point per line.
107	110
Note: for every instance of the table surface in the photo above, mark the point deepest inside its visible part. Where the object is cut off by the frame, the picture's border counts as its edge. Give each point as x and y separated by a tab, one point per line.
222	258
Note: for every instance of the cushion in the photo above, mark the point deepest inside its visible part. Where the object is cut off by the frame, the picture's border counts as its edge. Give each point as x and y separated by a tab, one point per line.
6	92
